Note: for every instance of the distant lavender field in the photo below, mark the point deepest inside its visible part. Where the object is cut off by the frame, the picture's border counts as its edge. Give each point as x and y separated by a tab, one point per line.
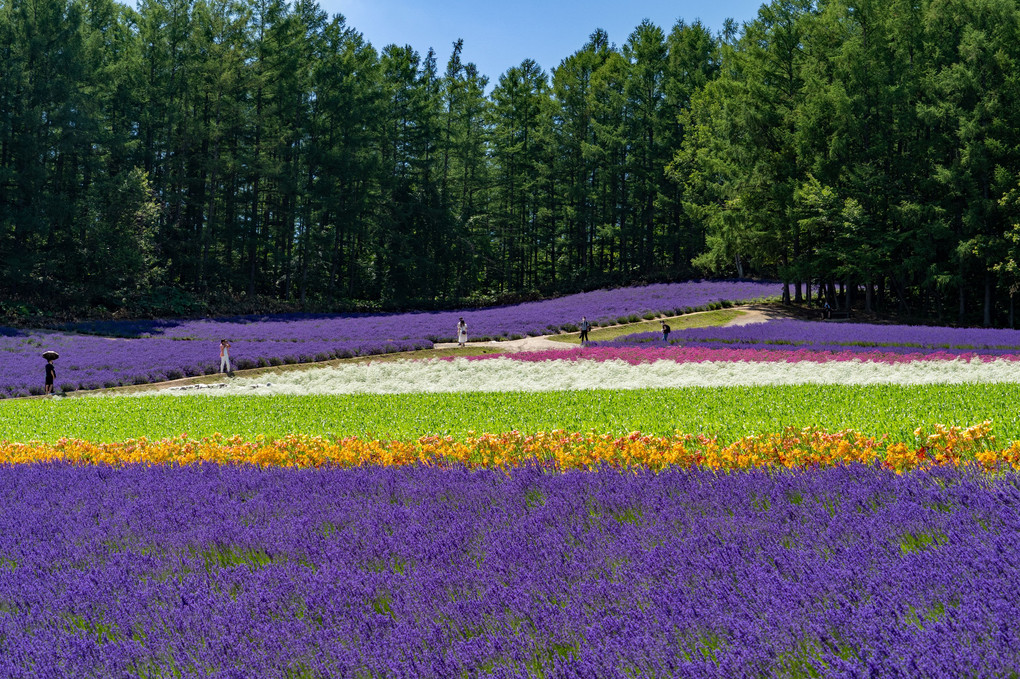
844	337
118	353
430	573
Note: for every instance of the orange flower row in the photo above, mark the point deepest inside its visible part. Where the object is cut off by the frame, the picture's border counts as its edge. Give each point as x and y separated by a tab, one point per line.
791	449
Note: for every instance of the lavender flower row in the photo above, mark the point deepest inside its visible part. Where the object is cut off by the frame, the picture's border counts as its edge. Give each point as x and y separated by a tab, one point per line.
419	572
160	350
654	340
650	352
98	362
864	335
530	318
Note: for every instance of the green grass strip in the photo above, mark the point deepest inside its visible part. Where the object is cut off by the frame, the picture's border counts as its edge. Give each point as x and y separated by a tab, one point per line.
729	412
703	319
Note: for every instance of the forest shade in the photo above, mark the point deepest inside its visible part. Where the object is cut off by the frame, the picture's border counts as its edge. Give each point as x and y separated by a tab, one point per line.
180	153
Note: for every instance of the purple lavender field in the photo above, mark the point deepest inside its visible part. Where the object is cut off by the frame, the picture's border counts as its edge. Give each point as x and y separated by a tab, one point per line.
97	355
787	334
417	572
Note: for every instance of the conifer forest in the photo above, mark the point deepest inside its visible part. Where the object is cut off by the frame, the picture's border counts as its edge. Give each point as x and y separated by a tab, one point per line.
183	151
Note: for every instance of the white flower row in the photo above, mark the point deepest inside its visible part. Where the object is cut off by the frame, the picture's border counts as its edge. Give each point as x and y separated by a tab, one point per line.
503	374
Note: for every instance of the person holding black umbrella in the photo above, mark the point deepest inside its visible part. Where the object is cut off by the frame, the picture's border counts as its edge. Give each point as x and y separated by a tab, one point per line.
51	374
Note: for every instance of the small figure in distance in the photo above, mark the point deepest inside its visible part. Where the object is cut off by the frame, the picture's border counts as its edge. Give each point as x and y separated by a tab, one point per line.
225	358
461	332
585	327
665	331
51	373
827	313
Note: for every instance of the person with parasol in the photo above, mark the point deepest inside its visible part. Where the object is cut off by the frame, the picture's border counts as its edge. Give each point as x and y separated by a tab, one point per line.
51	371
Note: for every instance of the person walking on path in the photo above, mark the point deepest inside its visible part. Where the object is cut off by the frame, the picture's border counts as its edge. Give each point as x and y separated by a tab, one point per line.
51	374
225	357
665	331
461	332
585	327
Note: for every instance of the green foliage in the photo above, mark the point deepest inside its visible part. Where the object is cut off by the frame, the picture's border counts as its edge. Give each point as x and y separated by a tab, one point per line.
913	542
869	145
727	412
265	151
268	151
697	320
116	253
228	556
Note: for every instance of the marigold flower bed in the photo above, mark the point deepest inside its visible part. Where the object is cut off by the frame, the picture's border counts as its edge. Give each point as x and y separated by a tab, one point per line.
791	449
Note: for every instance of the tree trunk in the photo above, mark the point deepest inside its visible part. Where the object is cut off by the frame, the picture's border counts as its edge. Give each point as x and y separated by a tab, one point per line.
901	296
253	246
988	301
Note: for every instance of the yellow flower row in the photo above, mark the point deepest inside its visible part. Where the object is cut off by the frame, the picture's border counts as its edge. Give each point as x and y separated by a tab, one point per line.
792	449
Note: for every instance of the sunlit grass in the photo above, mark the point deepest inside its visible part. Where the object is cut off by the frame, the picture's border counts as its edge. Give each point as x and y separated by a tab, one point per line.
729	412
698	320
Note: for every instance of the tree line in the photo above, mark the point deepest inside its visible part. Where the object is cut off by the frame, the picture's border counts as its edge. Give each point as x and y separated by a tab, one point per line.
263	150
871	145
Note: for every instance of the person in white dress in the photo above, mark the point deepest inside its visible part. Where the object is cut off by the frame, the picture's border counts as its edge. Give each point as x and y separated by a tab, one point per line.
225	357
461	333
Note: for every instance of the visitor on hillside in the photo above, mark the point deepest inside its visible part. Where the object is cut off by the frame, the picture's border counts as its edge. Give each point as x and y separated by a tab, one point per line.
51	374
665	331
225	357
461	333
585	327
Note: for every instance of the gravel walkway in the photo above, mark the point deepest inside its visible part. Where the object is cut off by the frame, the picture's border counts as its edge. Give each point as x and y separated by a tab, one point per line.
513	346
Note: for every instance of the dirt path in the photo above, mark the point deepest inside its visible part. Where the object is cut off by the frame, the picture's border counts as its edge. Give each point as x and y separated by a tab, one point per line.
514	346
757	314
751	314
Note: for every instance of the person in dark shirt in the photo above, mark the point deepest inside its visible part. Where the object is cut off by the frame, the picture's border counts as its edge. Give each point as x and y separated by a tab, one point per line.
665	331
585	327
51	374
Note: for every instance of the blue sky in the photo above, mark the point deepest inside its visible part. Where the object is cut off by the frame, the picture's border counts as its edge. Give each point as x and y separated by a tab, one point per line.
498	35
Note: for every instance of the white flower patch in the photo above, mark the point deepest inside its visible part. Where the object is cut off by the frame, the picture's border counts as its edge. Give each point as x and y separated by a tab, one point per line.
503	374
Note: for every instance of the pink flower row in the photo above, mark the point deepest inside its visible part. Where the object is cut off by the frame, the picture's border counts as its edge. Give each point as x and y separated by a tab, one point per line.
638	355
